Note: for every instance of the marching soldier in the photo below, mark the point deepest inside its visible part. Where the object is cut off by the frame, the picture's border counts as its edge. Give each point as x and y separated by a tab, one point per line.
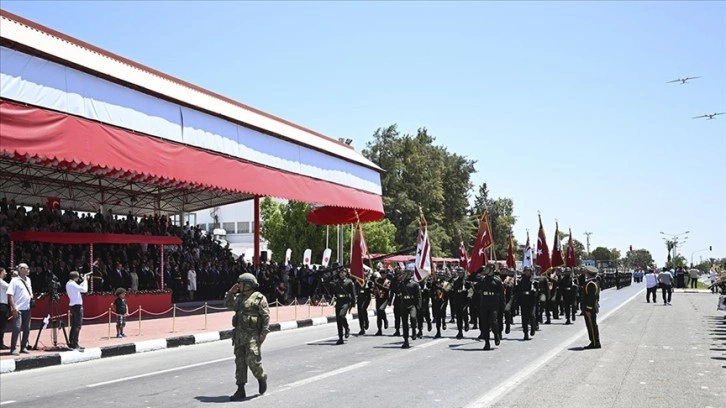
555	293
508	284
381	289
502	304
543	304
344	292
409	292
490	292
474	300
439	296
396	305
592	306
363	300
424	313
569	295
525	297
251	323
461	302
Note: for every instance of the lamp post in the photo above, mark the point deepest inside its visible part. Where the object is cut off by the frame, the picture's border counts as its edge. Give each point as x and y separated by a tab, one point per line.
674	240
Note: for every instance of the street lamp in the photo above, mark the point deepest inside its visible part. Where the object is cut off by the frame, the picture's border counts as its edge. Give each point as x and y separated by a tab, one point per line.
700	250
675	242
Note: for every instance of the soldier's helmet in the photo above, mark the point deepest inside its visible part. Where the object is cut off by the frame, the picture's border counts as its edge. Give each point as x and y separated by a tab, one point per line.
527	269
248	279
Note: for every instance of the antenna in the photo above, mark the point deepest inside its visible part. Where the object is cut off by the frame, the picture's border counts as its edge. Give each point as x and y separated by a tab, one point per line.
587	233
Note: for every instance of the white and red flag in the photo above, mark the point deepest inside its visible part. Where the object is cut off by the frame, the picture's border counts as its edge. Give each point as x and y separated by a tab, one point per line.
557	259
543	252
483	241
527	255
422	268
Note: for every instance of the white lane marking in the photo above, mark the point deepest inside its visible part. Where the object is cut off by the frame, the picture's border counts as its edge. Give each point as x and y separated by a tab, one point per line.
499	391
323	376
319	340
169	370
427	344
7	402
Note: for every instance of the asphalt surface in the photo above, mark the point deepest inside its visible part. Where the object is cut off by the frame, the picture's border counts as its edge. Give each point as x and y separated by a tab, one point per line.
306	369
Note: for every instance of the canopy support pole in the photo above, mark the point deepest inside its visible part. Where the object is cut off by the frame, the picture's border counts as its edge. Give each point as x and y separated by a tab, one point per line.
90	265
256	256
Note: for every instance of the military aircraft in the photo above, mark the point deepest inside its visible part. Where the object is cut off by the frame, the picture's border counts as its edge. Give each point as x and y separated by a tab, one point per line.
682	80
710	116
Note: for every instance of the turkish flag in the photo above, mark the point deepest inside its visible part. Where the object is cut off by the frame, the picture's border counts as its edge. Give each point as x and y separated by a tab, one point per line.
557	259
463	256
543	253
571	260
54	203
357	253
511	262
483	241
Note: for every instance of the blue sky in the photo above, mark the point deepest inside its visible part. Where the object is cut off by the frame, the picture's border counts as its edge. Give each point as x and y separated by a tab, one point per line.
563	105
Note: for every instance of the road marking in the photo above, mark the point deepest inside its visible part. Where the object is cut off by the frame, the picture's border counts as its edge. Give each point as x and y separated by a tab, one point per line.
7	402
427	344
323	376
503	388
170	370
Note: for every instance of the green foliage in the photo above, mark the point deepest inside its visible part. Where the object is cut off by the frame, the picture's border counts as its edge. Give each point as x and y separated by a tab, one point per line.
420	174
501	217
639	258
602	254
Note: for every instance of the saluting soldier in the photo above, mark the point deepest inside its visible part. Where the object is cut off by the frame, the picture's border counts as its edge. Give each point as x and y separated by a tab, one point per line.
592	306
363	300
381	289
424	313
490	292
461	296
439	295
344	291
251	322
409	292
569	295
525	297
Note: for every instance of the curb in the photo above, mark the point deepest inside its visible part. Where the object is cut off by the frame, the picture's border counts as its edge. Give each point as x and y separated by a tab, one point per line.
89	354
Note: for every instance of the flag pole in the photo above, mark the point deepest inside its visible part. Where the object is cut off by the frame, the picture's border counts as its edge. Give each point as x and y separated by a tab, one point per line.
366	255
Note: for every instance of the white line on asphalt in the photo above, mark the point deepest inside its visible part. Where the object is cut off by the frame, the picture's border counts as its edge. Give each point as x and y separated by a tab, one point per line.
496	393
7	402
170	370
319	340
324	376
425	345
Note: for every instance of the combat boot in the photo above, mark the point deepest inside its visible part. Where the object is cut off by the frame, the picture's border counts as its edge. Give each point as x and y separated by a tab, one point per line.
459	336
487	346
443	324
429	326
340	341
507	329
239	395
420	334
347	332
531	330
526	335
568	321
379	333
263	385
406	345
397	333
361	332
438	334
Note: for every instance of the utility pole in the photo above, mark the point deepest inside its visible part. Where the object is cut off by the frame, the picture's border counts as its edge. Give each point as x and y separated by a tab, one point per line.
588	242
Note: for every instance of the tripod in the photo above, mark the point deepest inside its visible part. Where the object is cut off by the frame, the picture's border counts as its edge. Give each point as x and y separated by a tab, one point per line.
54	324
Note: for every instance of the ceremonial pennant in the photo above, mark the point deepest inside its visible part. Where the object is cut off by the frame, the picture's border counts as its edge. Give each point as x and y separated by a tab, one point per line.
357	253
511	262
423	252
571	260
527	255
543	253
557	259
483	241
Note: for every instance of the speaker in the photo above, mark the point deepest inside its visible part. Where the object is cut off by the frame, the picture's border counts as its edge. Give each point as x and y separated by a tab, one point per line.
263	256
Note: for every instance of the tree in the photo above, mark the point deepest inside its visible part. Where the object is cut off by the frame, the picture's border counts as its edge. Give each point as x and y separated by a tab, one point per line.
501	218
639	259
615	254
601	254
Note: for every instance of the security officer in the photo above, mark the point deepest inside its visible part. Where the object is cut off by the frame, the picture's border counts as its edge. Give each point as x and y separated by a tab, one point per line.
525	296
569	295
592	306
363	300
490	295
344	291
425	312
251	323
409	292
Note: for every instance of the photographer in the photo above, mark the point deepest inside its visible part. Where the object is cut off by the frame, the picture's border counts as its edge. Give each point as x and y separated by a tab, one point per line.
76	285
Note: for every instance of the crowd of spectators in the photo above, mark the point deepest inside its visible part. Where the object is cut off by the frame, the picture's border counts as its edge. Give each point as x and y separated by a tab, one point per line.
137	267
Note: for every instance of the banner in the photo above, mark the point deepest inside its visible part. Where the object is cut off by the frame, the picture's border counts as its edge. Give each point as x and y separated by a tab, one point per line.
423	252
288	256
307	256
326	257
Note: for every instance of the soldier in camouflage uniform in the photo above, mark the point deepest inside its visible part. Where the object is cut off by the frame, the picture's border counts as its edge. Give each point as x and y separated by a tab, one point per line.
251	323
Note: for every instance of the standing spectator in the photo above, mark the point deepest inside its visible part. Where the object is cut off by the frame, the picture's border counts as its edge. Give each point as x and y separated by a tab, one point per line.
651	285
122	311
191	282
712	278
75	286
20	296
134	277
693	277
4	311
665	278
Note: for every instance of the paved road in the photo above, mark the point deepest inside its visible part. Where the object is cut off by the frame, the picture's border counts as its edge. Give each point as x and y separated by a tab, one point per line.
307	369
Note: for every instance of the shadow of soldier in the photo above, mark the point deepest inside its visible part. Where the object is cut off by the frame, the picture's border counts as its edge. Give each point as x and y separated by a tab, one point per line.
220	399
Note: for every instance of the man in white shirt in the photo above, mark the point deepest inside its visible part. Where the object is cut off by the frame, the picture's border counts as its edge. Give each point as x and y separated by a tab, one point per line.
651	285
4	310
20	293
665	278
74	287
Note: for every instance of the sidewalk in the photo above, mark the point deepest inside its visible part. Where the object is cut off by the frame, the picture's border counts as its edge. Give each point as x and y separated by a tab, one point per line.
155	334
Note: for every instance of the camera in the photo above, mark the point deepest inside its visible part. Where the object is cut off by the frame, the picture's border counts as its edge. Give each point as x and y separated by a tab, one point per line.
53	285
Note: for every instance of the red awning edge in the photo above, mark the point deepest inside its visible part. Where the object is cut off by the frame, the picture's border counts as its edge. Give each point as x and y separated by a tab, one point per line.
92	238
52	138
330	215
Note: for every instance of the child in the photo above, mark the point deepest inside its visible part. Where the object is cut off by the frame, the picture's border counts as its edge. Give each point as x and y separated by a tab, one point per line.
121	311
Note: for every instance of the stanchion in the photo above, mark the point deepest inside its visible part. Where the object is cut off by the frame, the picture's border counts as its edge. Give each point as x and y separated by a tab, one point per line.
205	315
69	319
173	318
139	320
310	308
295	303
277	312
109	322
